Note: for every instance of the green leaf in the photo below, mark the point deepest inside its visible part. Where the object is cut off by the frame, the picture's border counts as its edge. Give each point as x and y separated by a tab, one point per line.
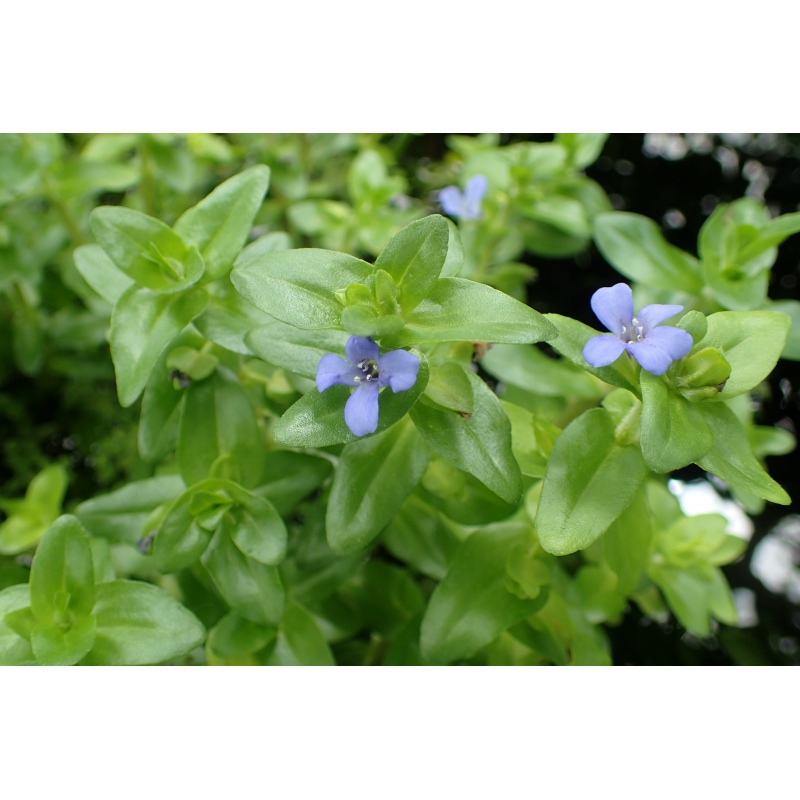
228	319
120	516
253	589
418	536
626	544
219	436
298	286
142	325
362	321
161	404
694	595
771	234
731	458
750	341
180	540
590	481
14	649
572	338
371	482
317	419
83	177
460	496
138	623
62	575
530	369
56	646
234	636
220	223
583	148
450	387
289	477
472	606
414	258
455	253
101	273
294	349
674	432
257	530
459	310
146	250
479	444
736	263
635	246
792	308
300	642
30	518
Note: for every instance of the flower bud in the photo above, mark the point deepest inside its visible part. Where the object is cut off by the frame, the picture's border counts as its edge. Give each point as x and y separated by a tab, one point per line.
703	374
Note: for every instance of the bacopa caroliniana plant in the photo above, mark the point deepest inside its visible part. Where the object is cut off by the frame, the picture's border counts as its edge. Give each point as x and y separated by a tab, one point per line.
391	506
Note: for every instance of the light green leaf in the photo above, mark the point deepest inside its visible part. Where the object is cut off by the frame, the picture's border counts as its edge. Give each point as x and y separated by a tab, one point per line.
54	645
142	325
29	518
414	258
583	148
750	341
101	273
590	481
294	349
298	286
479	444
220	223
626	544
372	480
138	623
120	516
472	606
253	589
530	369
674	432
635	246
62	575
459	310
300	642
418	536
234	636
219	436
14	649
146	250
731	458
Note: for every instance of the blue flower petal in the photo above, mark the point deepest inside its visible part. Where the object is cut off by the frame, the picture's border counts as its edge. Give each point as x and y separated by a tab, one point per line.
602	350
452	201
661	347
398	369
361	347
654	314
361	410
614	307
674	341
333	369
476	188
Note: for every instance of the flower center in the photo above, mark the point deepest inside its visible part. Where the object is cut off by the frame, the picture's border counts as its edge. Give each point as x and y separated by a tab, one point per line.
369	370
636	332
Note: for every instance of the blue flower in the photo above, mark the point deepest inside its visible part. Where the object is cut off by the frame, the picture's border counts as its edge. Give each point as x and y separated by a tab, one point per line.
368	371
655	348
468	204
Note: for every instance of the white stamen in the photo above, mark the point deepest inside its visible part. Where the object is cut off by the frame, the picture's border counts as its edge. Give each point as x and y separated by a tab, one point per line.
357	379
